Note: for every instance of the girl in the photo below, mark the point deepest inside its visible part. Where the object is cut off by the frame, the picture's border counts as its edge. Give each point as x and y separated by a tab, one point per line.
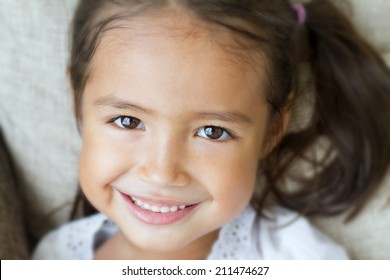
182	106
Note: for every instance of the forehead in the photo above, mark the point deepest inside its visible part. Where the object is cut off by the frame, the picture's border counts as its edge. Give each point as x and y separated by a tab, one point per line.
156	31
180	55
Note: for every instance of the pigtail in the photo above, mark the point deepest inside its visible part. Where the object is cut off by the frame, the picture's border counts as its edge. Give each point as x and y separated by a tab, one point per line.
351	110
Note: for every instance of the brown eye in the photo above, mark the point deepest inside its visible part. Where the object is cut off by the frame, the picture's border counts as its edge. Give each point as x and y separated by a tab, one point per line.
213	133
128	122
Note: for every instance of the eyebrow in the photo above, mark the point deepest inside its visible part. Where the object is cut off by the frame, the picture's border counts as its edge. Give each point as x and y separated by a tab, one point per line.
232	117
116	103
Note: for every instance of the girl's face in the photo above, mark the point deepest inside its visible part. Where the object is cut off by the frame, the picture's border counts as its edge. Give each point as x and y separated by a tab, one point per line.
173	117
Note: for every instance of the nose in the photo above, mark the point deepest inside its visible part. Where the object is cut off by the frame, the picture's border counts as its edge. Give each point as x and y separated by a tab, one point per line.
162	164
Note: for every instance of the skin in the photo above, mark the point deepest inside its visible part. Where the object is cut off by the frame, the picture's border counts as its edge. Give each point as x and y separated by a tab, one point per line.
172	74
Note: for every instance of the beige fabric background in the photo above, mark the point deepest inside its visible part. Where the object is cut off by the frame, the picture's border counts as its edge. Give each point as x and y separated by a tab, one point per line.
36	117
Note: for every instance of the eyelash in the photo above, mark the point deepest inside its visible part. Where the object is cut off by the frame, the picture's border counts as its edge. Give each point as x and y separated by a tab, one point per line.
227	134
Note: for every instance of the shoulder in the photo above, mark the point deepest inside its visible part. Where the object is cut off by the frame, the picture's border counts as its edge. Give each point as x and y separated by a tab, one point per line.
74	240
287	235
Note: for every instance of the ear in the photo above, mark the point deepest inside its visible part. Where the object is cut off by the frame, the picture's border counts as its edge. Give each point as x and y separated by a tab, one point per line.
277	127
286	116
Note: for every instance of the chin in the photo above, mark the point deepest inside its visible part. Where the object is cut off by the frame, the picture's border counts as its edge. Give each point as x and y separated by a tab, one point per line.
157	243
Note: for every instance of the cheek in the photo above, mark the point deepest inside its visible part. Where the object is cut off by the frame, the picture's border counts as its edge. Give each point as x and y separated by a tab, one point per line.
99	163
231	187
231	178
239	177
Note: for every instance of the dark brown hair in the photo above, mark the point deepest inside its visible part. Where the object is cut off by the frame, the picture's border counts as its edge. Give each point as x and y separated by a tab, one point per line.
351	102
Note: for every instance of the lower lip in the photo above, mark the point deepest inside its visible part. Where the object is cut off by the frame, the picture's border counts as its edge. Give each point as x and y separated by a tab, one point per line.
153	218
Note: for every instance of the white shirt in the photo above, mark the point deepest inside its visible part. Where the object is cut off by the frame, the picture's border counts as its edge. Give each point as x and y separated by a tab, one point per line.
286	236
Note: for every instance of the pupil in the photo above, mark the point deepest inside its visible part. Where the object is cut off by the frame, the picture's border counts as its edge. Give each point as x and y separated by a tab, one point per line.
129	122
213	132
126	121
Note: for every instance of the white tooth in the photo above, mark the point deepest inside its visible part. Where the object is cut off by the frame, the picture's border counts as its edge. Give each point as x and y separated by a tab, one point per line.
155	209
146	206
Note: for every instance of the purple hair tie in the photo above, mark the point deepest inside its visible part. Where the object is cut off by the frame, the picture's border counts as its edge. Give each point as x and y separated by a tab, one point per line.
301	12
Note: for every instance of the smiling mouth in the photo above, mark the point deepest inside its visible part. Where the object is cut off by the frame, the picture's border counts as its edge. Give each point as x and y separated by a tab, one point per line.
157	212
164	209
